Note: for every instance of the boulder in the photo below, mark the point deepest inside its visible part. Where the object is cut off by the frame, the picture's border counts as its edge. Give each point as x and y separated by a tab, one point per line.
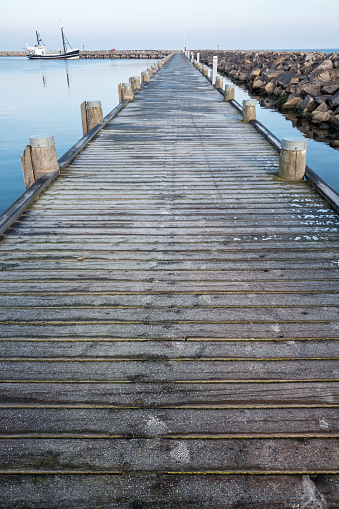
284	78
255	73
278	91
258	83
325	64
332	87
334	101
334	122
307	105
291	102
322	98
312	89
270	74
269	88
321	117
243	76
278	61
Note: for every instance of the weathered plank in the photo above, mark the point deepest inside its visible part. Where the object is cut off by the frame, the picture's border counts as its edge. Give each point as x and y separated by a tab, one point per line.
158	491
170	394
63	422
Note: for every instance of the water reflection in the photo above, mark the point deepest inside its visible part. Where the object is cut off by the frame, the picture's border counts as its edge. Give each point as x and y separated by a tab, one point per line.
44	76
324	133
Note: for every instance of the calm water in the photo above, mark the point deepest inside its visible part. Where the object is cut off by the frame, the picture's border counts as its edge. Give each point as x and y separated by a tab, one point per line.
40	97
45	97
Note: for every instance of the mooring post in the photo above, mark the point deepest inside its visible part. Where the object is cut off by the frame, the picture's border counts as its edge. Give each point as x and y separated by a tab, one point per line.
229	93
199	67
126	92
219	82
292	162
149	69
135	82
214	70
145	77
91	115
205	71
38	158
94	114
248	110
198	58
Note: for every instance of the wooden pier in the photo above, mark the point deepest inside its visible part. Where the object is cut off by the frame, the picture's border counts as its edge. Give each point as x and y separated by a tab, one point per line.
169	320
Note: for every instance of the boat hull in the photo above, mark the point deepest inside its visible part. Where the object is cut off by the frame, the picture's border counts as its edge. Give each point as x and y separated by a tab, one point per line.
69	55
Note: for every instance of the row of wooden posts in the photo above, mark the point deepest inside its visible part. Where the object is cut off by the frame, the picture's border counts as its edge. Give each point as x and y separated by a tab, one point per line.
292	163
40	157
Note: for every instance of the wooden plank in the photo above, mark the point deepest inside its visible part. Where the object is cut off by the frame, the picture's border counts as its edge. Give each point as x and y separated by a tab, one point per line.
157	314
238	394
129	348
86	422
95	287
170	330
157	491
170	455
66	369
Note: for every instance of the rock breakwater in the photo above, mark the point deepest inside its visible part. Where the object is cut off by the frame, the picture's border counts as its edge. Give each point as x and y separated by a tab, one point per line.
304	82
136	54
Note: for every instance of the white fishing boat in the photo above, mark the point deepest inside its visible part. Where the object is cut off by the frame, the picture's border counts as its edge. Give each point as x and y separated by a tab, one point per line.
40	52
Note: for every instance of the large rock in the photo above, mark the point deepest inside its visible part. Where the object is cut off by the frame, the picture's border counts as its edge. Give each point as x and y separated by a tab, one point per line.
324	65
334	122
269	88
307	105
291	102
255	73
284	79
322	98
331	87
312	89
334	102
270	74
321	114
258	83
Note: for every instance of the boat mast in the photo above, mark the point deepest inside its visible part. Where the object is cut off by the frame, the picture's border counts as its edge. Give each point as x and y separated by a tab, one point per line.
38	38
63	38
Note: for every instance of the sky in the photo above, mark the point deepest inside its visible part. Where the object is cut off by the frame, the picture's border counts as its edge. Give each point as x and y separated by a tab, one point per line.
163	24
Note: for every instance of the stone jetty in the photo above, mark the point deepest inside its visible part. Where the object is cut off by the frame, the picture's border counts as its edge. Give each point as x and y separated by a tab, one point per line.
307	82
137	54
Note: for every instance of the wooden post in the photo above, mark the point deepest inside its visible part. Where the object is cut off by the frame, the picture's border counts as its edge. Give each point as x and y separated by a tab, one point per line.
145	77
126	92
229	93
43	155
292	162
94	114
27	167
248	110
199	67
219	82
83	118
135	82
214	70
149	69
204	71
119	93
198	58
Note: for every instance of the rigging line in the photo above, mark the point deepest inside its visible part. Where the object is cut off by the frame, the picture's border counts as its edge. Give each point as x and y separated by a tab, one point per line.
51	25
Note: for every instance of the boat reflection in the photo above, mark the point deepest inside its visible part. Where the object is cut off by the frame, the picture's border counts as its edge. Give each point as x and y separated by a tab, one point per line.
44	77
